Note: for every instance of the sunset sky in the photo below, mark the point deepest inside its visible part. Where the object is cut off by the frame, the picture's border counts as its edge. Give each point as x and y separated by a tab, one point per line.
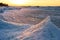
31	2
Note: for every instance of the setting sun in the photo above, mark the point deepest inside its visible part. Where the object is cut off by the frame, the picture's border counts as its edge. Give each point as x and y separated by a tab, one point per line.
18	1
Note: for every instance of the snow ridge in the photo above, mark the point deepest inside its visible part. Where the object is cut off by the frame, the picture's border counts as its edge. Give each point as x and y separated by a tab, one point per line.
33	29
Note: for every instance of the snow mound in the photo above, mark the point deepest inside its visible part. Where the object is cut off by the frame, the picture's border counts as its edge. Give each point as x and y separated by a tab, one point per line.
48	32
45	30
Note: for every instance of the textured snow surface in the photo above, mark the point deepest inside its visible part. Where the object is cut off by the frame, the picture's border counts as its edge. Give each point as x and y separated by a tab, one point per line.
49	32
11	32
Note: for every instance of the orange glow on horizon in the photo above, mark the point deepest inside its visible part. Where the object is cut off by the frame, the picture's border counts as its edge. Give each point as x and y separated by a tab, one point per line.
31	2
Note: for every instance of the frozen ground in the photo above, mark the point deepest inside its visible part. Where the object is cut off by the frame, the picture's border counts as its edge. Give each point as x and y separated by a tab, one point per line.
45	30
38	27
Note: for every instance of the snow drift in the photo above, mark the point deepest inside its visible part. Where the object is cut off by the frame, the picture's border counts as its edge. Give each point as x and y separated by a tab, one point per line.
45	30
42	30
9	31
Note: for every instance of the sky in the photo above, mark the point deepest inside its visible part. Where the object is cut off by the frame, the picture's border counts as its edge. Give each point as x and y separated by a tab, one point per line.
31	2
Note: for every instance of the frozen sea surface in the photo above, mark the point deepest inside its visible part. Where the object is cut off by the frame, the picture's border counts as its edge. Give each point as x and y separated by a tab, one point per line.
10	31
47	32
